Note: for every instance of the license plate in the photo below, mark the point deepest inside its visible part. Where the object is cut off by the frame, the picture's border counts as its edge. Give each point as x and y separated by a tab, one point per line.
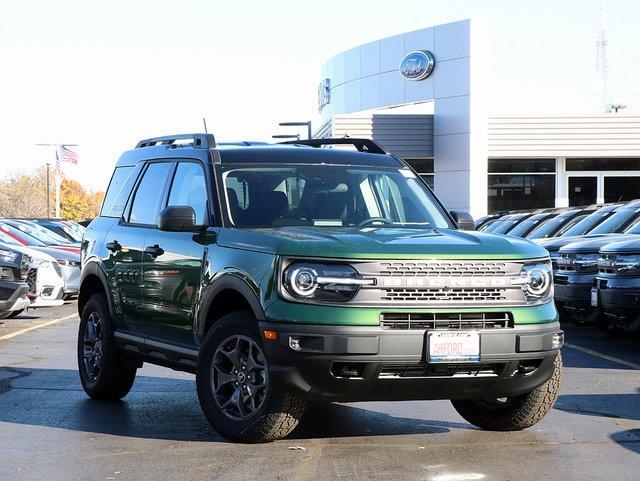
450	346
594	297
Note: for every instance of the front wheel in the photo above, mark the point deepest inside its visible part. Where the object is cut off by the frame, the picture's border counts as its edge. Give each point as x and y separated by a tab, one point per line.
234	387
513	413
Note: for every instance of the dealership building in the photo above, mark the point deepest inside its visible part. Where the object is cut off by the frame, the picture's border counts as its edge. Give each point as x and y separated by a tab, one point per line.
422	96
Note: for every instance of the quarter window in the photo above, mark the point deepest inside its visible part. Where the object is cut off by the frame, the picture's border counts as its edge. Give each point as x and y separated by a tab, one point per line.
189	188
146	203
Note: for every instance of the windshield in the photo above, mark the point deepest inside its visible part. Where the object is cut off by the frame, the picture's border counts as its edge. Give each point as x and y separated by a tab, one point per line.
30	240
328	196
550	227
507	224
7	239
616	223
526	225
40	233
588	223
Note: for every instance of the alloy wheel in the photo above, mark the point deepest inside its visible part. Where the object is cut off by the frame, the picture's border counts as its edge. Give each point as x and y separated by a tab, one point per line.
92	346
239	377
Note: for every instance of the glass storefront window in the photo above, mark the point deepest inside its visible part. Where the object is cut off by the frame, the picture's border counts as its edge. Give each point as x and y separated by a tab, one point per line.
514	192
603	164
506	166
424	168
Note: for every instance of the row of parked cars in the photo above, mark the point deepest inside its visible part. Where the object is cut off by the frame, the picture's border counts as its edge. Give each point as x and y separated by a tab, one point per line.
595	253
39	263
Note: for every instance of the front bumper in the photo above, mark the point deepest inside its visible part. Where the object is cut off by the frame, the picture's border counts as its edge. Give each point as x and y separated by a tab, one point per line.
619	294
572	292
71	277
13	295
391	364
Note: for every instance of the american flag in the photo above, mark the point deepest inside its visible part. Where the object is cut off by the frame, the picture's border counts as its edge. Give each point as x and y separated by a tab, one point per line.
65	154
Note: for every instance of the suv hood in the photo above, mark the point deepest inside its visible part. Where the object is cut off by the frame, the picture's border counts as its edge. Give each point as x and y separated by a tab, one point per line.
555	243
627	246
380	243
594	245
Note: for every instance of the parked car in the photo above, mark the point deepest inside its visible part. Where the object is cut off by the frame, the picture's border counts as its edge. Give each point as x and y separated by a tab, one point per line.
68	259
527	225
617	287
36	240
44	278
63	229
14	267
607	220
561	223
507	222
41	233
483	222
282	274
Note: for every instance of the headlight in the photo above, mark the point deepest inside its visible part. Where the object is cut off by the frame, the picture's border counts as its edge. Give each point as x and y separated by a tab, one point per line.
322	282
537	282
8	256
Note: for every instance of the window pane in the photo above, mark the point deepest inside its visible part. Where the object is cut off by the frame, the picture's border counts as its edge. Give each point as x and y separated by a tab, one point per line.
522	165
421	166
514	192
619	189
603	164
118	192
428	179
189	188
148	195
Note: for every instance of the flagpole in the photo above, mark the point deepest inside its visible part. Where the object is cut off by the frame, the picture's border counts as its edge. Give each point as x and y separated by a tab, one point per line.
58	172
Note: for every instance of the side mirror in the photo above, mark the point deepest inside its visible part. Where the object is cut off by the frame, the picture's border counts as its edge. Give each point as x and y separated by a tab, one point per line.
177	218
463	219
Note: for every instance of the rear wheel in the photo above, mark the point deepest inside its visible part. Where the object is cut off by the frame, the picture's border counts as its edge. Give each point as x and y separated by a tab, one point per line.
234	388
513	413
104	374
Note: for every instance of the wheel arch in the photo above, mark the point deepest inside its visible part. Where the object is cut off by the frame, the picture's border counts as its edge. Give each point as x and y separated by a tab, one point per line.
227	293
93	280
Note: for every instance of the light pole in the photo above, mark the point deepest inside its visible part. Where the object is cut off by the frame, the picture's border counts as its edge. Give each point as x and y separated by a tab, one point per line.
298	124
48	191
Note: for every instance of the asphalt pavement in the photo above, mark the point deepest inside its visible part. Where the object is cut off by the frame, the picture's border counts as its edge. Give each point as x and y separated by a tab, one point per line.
50	430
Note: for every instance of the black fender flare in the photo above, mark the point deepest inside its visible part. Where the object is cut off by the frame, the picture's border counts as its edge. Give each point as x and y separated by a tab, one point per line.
93	267
234	282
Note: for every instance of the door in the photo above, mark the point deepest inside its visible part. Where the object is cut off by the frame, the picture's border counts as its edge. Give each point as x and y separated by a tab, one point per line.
128	241
173	262
583	190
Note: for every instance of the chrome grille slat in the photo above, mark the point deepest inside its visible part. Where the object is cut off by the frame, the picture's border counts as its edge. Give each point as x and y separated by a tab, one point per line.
452	268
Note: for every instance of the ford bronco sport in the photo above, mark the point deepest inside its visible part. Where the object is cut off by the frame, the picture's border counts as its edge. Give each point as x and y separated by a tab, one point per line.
282	274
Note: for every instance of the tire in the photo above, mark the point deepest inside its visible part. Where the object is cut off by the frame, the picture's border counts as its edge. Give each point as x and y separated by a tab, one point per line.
515	413
104	374
246	406
15	314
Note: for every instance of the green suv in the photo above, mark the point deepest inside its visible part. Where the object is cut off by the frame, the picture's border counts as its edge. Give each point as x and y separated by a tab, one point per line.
283	274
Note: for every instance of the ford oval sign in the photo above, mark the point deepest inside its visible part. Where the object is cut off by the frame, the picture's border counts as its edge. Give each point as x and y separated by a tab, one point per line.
417	65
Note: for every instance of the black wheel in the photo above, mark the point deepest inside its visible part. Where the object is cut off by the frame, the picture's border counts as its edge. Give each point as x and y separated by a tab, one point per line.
513	413
234	388
104	374
15	313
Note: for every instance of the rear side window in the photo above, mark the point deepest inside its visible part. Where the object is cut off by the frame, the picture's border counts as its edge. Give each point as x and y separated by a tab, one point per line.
146	203
118	192
189	188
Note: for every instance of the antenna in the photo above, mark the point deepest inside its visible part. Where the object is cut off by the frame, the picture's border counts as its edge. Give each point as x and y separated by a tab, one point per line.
204	121
601	58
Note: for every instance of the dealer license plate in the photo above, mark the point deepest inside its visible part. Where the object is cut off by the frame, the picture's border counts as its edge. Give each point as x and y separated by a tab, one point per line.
453	346
594	297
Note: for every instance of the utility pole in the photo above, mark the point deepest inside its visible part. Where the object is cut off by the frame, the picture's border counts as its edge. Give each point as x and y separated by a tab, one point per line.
58	178
48	191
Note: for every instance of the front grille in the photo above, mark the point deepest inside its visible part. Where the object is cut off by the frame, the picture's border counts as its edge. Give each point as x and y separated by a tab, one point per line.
390	371
471	294
32	279
430	321
452	268
560	280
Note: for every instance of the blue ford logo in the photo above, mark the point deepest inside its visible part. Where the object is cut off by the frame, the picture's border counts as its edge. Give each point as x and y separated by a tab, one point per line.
417	65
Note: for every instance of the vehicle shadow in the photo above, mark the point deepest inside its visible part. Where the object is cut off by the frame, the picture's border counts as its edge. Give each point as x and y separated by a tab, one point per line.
629	439
618	406
167	408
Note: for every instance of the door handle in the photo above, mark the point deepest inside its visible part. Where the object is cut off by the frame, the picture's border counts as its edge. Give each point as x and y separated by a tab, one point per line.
113	246
154	250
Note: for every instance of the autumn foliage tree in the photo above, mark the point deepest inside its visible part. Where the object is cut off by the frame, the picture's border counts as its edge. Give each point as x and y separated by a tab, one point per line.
24	194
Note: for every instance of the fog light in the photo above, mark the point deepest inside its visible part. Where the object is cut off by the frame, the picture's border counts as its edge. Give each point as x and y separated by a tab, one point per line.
294	343
558	340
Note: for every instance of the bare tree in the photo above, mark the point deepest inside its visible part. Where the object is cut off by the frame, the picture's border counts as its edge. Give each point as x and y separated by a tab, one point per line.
25	194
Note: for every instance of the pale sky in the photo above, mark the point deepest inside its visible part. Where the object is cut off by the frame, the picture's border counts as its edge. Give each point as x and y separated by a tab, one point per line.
104	74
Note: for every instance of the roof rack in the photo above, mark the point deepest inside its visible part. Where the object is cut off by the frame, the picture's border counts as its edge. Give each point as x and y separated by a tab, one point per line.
362	145
200	141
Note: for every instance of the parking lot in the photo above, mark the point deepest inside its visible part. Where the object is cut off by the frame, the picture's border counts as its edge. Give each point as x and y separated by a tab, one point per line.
51	430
